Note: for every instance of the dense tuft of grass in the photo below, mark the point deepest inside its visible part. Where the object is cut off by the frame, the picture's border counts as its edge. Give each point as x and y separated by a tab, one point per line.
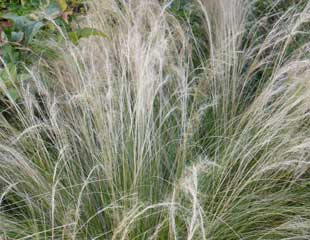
161	132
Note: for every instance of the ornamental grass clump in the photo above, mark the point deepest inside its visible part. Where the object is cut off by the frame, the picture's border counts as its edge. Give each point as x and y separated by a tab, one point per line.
157	132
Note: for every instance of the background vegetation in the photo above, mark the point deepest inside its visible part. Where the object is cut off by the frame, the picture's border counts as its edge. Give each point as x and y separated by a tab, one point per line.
25	25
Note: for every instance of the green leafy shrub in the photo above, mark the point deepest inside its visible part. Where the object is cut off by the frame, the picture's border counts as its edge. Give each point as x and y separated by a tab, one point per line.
24	27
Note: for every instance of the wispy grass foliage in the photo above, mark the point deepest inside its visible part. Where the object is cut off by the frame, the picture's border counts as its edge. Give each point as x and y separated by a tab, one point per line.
130	138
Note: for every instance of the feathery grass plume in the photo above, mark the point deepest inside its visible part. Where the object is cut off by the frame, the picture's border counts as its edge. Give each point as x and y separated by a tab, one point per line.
126	138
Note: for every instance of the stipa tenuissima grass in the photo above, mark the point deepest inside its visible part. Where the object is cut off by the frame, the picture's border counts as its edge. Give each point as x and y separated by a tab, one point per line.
129	138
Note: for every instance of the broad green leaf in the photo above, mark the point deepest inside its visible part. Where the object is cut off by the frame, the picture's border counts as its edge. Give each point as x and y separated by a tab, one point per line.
19	21
17	36
62	5
31	30
84	33
53	10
